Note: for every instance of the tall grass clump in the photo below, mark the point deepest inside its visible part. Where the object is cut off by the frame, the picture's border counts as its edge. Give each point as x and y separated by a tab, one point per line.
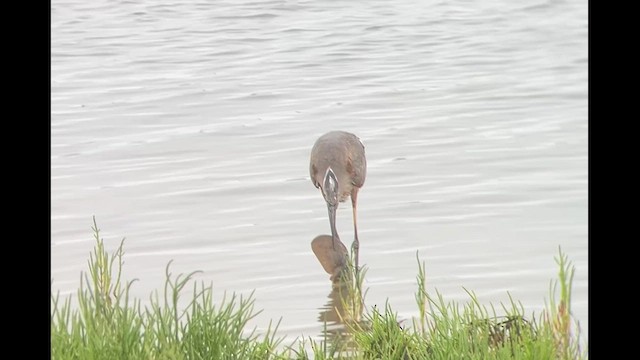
557	314
447	330
108	324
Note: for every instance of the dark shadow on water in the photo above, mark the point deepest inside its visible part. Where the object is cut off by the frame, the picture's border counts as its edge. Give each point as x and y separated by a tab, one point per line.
344	305
332	257
336	316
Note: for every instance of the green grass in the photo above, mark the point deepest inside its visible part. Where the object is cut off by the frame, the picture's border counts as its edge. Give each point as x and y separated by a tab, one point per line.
108	324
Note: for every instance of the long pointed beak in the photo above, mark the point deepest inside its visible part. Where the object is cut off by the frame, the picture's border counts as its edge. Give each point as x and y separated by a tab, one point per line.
332	221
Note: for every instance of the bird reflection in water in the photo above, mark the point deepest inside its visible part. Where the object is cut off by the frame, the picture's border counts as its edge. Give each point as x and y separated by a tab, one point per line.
345	305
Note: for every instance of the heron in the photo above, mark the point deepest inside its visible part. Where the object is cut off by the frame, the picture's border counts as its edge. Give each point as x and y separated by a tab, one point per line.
338	168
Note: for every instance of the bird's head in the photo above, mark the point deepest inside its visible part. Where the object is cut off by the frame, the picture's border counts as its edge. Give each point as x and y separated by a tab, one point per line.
330	187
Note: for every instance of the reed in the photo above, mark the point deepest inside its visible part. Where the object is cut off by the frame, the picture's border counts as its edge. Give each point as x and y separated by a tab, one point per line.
108	324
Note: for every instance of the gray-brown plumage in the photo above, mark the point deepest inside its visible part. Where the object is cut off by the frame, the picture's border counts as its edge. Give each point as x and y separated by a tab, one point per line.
338	167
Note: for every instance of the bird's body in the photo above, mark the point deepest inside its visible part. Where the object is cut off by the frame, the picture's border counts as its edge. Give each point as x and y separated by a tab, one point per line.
344	153
338	167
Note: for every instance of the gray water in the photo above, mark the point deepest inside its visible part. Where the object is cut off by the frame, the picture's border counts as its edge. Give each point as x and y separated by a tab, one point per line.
186	127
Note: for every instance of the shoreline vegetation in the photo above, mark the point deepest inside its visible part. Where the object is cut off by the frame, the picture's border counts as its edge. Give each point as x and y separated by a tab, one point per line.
108	324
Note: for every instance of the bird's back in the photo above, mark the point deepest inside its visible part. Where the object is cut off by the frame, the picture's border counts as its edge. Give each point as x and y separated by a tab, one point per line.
344	153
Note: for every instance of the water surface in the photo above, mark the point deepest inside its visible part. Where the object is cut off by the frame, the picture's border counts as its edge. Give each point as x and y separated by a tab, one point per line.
186	127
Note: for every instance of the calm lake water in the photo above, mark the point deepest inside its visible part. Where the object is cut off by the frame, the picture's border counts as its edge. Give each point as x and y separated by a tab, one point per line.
186	127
